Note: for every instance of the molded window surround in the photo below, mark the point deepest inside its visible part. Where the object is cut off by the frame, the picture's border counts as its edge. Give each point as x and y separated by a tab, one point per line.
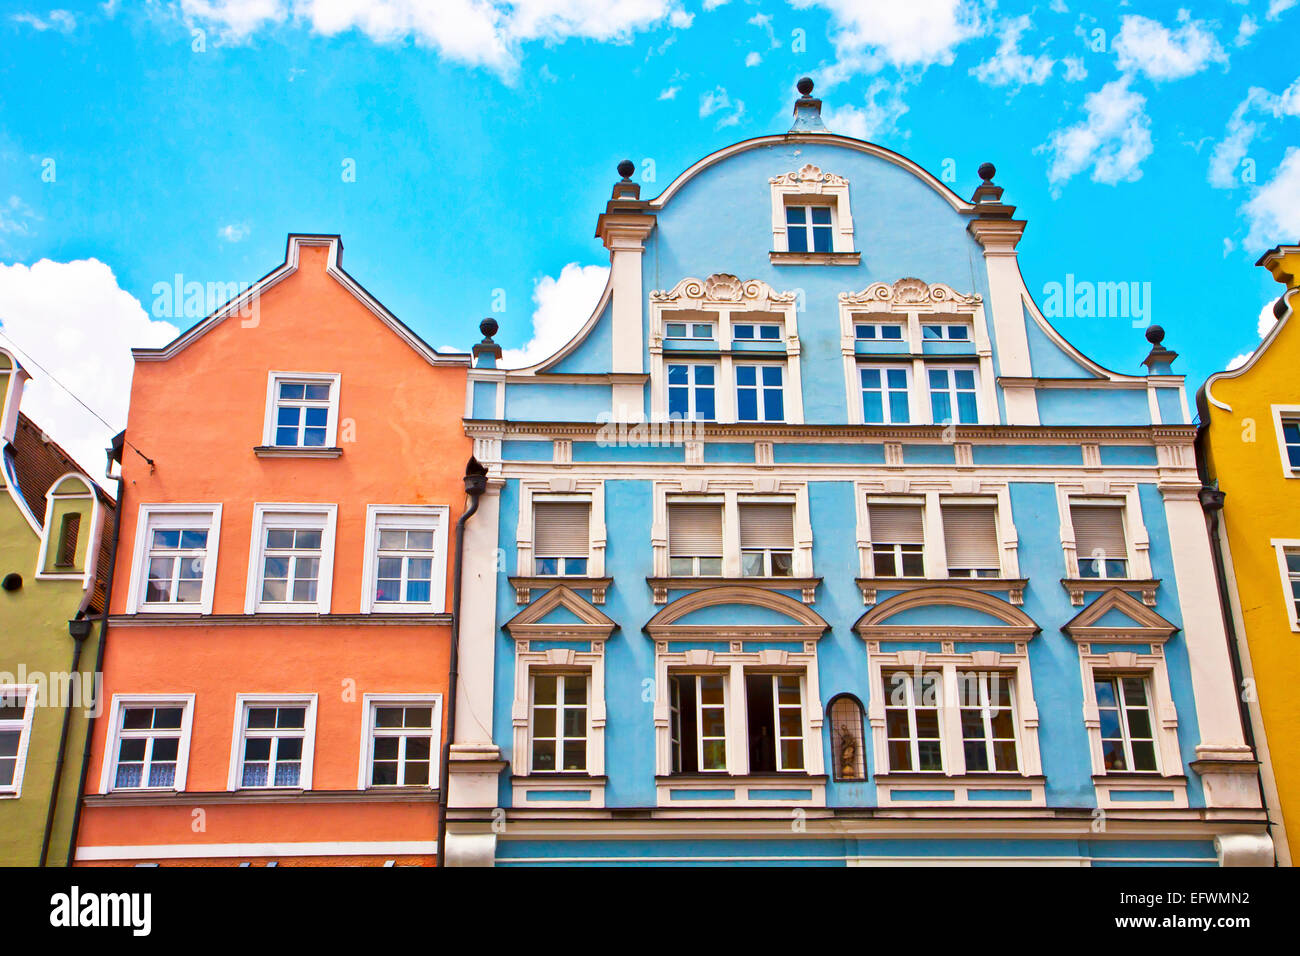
561	490
1286	423
794	195
405	559
174	561
1121	495
17	711
302	414
274	742
401	738
1288	566
295	542
148	742
73	517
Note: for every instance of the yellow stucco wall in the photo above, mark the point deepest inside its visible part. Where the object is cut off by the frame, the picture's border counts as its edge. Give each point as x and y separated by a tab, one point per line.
1244	454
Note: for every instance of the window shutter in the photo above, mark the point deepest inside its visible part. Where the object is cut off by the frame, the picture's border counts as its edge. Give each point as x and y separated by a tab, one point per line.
767	525
560	529
66	556
1099	530
971	536
896	524
695	529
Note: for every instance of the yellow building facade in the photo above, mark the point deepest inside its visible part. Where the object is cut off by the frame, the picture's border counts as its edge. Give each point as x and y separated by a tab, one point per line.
1249	446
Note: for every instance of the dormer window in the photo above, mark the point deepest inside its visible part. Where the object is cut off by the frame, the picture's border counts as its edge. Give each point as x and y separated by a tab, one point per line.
301	415
808	228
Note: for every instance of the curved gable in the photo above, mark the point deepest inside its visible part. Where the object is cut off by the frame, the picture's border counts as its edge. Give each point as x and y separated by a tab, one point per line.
736	609
973	614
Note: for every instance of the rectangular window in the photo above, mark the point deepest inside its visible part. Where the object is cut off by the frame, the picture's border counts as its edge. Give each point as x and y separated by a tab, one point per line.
766	539
294	557
406	558
149	739
698	722
988	722
695	538
953	395
17	707
1100	544
274	738
561	537
176	553
66	555
945	332
774	707
302	413
808	228
750	331
877	332
291	565
1291	443
912	721
1292	556
403	742
559	722
691	392
759	393
897	540
971	539
884	395
1127	736
688	330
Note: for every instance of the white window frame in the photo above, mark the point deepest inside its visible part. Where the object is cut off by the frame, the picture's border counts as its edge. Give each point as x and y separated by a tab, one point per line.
945	327
691	326
880	326
1117	678
983	501
243	703
888	687
1281	546
273	380
560	675
1285	414
884	368
809	186
122	702
433	518
727	718
986	709
544	498
761	391
88	531
757	325
30	701
279	515
370	703
1118	495
952	391
184	516
691	365
561	489
731	497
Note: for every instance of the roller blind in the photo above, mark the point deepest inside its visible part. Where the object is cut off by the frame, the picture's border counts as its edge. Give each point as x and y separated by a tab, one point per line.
560	529
896	524
767	525
695	529
1099	531
970	535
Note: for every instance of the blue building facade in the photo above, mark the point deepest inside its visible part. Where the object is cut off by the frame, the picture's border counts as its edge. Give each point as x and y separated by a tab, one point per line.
818	544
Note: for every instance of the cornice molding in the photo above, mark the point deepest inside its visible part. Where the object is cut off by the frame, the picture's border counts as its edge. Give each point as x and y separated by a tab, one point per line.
909	291
724	289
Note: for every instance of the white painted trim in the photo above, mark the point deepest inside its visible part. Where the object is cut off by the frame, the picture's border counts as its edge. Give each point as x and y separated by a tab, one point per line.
30	702
368	704
108	765
562	489
1281	413
1260	349
1281	546
333	379
181	851
242	703
92	531
140	557
437	603
324	582
803	188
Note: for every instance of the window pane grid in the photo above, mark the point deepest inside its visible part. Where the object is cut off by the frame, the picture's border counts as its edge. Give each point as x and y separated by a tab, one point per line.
148	747
988	722
912	722
274	737
884	395
174	565
953	396
13	724
291	565
760	395
1127	732
691	392
302	414
404	565
402	738
559	722
808	228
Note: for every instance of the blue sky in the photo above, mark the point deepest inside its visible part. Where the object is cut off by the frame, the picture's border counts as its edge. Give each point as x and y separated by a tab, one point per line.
1147	142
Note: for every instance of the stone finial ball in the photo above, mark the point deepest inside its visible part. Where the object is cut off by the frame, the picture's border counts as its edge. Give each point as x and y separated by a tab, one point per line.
626	168
805	85
987	171
1155	335
488	327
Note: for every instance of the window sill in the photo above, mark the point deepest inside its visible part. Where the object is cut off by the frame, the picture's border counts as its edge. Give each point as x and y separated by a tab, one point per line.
661	586
558	790
1079	587
814	258
1015	587
117	798
725	790
276	451
525	585
937	790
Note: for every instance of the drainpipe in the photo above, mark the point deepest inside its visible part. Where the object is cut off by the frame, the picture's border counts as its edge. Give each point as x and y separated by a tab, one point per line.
475	485
79	629
1212	505
114	454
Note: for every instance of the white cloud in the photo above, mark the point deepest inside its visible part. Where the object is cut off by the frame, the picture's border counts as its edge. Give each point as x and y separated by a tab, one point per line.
1074	69
717	101
1243	126
714	4
1266	320
764	22
235	231
1113	139
670	93
1008	66
1147	46
1246	30
876	119
1228	246
59	20
1237	361
1273	213
1058	6
477	32
753	58
563	304
1278	7
16	217
74	320
870	34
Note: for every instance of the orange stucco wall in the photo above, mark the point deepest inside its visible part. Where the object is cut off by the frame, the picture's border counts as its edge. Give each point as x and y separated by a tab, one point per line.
199	416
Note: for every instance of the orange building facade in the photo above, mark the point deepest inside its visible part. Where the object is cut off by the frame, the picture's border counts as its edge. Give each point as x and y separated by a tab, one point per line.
276	662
